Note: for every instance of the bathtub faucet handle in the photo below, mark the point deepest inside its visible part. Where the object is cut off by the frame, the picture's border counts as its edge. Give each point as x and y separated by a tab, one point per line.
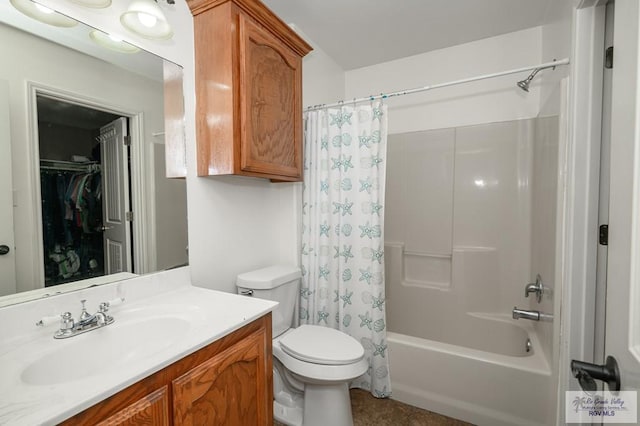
537	288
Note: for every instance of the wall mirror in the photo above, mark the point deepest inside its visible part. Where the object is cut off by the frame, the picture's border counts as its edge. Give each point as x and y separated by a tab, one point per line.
84	197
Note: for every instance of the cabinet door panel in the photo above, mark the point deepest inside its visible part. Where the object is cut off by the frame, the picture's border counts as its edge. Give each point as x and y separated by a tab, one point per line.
152	410
271	115
228	389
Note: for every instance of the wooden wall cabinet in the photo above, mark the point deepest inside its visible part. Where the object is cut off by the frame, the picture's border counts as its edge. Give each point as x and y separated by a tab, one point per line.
228	382
248	91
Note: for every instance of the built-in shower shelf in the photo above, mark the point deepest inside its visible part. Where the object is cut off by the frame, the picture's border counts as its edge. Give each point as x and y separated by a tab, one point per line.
426	254
431	270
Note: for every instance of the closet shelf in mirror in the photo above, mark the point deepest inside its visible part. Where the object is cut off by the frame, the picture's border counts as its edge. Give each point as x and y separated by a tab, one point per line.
70	166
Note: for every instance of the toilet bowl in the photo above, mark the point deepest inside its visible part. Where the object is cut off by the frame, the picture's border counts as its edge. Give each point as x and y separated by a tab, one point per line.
322	377
313	365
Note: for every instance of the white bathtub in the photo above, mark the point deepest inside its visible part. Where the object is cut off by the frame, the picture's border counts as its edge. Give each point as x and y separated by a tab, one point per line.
507	386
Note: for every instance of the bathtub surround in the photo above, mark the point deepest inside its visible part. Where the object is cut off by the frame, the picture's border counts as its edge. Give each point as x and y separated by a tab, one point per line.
342	235
544	195
470	221
459	212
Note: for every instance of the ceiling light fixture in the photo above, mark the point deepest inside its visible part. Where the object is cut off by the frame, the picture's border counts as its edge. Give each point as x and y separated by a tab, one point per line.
43	14
112	42
146	19
96	4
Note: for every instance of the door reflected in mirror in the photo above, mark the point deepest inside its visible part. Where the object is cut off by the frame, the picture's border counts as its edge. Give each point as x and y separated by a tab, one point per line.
83	187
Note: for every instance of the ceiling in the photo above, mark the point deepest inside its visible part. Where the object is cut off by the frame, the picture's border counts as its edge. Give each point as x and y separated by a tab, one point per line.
358	33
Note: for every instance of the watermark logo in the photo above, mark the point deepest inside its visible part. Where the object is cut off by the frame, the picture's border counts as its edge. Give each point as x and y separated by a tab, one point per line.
602	406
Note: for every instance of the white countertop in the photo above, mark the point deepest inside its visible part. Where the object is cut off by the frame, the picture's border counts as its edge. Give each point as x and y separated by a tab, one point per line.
210	315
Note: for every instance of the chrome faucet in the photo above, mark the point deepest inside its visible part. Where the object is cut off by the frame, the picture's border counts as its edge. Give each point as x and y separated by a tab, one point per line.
537	288
99	318
531	315
86	322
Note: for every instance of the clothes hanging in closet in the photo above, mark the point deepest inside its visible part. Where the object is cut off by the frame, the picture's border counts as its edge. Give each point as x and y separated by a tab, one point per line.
72	220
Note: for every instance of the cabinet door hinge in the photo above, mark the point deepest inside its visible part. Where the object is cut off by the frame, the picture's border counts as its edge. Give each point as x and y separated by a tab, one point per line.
127	140
604	235
129	216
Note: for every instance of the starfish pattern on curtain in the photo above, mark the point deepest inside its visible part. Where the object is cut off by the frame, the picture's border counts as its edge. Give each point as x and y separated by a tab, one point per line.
342	237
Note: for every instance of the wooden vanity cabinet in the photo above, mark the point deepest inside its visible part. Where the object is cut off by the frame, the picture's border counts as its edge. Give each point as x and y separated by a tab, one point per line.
201	396
228	382
153	409
248	91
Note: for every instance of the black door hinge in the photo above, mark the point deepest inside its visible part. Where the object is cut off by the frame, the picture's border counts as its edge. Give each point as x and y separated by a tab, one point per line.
608	58
604	235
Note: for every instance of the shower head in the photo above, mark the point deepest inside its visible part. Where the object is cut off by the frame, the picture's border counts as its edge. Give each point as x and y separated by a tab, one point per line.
524	84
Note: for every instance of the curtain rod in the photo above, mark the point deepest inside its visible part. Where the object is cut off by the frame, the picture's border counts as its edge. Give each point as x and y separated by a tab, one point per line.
545	65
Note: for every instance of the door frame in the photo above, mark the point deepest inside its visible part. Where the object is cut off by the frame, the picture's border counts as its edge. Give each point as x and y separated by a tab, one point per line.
623	267
141	176
579	240
8	286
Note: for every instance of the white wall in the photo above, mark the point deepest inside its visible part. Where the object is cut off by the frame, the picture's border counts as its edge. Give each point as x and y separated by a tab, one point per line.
235	223
487	101
171	214
323	80
91	79
556	44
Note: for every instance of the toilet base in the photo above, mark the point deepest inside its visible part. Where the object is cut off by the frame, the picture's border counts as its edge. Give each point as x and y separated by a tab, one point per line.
328	404
290	416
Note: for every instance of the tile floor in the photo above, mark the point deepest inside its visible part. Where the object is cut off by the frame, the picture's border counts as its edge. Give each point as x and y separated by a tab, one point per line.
370	411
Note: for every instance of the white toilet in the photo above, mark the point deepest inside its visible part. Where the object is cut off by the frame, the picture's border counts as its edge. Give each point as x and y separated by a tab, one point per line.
312	365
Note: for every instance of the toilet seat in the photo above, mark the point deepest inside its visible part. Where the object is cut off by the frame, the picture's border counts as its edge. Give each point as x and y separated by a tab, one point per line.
322	345
317	373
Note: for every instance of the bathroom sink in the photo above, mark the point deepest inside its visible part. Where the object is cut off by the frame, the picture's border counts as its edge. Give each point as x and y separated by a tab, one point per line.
103	350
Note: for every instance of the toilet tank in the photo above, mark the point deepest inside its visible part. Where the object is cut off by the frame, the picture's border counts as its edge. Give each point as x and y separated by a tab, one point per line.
278	283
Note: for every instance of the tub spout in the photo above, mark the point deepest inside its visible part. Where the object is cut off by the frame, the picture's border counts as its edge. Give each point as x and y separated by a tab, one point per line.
522	313
530	315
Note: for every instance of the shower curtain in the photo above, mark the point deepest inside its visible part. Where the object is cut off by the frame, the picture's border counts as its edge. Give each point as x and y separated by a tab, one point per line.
342	236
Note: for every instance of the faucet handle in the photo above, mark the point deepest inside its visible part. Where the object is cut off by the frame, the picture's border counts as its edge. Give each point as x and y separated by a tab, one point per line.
537	288
67	322
103	317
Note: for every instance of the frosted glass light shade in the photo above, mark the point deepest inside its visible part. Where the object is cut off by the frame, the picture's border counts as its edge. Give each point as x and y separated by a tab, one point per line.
43	14
112	43
145	18
97	4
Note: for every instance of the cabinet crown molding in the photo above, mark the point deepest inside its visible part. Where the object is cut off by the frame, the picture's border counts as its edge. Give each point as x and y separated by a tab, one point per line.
262	14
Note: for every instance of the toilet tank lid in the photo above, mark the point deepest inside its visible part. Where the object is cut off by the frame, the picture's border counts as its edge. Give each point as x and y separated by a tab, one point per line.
267	278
